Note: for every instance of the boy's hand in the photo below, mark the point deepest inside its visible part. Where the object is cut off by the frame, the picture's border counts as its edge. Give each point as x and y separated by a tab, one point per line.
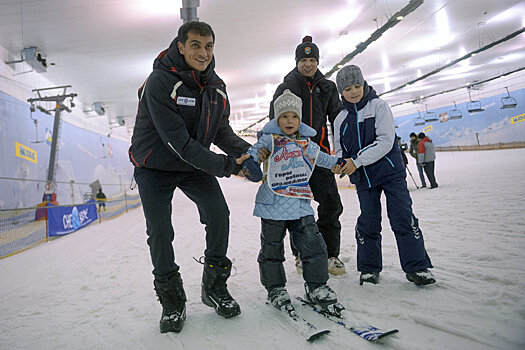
349	167
263	154
338	167
250	168
242	158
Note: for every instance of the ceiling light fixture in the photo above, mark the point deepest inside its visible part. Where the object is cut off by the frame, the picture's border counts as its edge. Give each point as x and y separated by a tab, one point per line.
392	21
464	57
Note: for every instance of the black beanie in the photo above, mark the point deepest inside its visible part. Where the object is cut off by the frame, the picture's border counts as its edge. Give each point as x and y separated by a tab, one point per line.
306	49
421	135
413	134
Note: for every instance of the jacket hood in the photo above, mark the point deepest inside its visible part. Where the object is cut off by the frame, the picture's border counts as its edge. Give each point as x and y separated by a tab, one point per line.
369	94
273	128
172	60
426	138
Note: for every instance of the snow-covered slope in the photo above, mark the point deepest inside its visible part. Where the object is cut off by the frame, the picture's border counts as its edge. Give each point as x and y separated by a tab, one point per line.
93	289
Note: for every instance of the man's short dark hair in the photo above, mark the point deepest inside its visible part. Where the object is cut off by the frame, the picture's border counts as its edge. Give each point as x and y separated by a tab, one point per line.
421	135
199	28
413	134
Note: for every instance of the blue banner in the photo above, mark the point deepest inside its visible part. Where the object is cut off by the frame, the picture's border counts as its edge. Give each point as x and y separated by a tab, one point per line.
64	220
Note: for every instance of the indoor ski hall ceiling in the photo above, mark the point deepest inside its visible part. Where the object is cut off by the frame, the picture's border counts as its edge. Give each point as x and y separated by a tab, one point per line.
105	48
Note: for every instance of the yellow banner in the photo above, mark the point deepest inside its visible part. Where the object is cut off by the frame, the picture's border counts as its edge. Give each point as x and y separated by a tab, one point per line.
427	128
517	119
25	152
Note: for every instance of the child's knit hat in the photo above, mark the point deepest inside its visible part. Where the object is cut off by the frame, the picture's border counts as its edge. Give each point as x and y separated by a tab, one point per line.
349	75
287	102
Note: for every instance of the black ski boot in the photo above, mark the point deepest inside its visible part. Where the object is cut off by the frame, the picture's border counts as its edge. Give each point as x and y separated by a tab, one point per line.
369	277
214	291
325	298
279	297
421	278
173	299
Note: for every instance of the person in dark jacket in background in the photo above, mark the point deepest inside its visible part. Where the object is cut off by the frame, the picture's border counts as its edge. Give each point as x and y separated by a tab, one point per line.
183	108
101	199
365	132
402	147
413	152
427	157
320	102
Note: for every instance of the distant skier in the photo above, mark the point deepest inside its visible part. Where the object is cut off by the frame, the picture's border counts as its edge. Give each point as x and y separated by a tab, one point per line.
283	203
365	132
101	199
413	152
427	157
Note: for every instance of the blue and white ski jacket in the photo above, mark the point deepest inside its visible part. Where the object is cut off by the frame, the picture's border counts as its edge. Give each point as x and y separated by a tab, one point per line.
365	132
269	205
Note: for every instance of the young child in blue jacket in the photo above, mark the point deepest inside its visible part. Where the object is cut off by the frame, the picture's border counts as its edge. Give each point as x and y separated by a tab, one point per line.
364	131
283	203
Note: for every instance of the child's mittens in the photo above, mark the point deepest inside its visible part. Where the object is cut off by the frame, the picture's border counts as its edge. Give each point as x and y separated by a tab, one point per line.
252	170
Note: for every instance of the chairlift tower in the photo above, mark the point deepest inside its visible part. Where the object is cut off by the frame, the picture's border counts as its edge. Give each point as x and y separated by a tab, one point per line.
58	99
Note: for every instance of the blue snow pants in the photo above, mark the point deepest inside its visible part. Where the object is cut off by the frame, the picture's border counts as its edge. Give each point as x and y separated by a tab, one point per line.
309	244
404	224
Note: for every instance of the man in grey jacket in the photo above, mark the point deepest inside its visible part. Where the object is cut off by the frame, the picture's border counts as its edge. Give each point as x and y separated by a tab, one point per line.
427	157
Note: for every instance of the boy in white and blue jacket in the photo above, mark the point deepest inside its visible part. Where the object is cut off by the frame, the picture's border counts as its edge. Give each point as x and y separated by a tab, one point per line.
364	131
283	203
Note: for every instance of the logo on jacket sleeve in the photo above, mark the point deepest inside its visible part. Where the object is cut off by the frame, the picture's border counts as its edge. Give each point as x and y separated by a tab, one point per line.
185	101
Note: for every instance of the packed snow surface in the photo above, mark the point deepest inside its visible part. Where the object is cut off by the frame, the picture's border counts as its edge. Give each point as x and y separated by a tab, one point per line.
93	289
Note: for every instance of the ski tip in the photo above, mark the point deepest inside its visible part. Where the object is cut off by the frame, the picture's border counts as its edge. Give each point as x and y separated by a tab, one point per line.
317	335
393	331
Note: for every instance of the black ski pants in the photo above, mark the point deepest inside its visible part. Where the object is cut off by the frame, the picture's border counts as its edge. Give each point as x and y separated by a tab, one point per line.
156	190
429	170
324	188
309	244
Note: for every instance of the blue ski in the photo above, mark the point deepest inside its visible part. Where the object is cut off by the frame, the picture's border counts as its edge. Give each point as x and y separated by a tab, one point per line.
347	320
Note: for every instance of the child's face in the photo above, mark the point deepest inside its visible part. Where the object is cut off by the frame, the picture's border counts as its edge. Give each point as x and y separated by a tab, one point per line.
289	123
353	93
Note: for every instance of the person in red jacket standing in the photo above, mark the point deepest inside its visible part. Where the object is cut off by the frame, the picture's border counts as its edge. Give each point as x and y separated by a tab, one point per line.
427	157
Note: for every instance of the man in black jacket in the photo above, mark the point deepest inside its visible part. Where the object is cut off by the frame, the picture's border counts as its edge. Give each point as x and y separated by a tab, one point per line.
183	109
320	102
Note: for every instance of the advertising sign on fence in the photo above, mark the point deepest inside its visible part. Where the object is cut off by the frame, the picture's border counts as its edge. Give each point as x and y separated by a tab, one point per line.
64	220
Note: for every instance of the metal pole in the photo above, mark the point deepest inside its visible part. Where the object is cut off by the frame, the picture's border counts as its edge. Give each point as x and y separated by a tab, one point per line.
406	167
50	186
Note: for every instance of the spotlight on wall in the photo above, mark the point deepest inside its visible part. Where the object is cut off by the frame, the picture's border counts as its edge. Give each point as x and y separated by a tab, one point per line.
120	120
97	107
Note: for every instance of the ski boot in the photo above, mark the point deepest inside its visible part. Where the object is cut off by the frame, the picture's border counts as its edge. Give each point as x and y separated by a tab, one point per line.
421	278
336	266
214	292
279	297
299	265
173	299
369	277
325	298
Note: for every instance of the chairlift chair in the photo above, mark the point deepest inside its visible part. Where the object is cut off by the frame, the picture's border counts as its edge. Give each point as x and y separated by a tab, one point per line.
430	116
455	113
508	101
474	106
419	120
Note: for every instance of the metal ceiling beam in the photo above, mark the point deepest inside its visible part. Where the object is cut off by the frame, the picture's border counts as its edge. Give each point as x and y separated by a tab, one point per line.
464	57
461	87
392	21
188	11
